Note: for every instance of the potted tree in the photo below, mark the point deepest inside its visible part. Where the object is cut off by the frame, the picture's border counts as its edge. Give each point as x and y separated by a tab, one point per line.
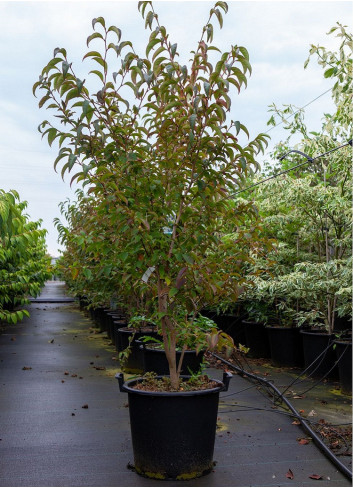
154	147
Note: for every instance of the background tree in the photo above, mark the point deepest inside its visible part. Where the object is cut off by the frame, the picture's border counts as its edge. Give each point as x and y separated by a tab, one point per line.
24	264
309	209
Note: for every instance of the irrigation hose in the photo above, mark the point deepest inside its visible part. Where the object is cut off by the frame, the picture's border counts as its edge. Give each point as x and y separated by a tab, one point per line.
318	442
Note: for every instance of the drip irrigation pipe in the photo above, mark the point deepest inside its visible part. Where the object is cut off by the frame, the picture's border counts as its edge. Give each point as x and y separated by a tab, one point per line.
307	428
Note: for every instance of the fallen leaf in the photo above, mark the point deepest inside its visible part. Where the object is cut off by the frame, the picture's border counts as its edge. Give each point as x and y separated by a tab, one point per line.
335	444
73	414
62	381
27	368
290	474
13	339
301	411
85	406
315	476
74	375
51	341
66	373
296	422
312	413
303	441
100	368
298	397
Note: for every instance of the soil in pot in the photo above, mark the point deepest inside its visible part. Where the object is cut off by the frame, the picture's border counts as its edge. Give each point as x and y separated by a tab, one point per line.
257	340
154	360
343	350
173	433
286	346
319	354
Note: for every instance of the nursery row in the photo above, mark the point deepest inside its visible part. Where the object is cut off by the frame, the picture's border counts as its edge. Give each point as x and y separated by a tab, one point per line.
317	354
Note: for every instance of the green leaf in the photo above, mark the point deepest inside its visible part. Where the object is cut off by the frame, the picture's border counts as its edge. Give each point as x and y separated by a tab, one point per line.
92	54
151	44
99	74
95	35
328	73
87	273
65	68
116	30
192	120
173	291
51	135
188	259
100	20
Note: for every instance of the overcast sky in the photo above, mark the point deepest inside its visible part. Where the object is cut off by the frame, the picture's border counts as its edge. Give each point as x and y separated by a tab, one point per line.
277	35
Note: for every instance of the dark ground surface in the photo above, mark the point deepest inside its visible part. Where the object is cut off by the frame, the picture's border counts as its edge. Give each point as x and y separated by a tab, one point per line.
63	421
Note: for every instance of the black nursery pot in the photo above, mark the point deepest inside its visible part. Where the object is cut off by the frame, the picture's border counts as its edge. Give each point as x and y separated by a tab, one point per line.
134	363
257	340
173	433
319	355
343	352
286	346
154	360
112	316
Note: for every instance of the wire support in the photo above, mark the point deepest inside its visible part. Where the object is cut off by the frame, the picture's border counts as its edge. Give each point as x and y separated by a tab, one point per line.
309	160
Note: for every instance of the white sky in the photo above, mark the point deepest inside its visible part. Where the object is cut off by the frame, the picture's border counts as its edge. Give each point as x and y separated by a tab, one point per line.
277	35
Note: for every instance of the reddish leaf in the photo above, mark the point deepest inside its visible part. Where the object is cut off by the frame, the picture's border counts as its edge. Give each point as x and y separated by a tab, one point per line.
179	280
315	476
303	441
290	474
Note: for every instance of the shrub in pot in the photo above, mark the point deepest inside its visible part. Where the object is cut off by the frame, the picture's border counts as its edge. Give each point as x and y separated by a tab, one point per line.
159	166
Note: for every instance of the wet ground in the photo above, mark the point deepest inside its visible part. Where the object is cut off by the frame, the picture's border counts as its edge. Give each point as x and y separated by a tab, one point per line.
63	421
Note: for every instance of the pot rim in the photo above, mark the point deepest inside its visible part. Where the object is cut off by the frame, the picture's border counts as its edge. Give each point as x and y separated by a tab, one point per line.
272	326
160	349
317	333
128	387
126	329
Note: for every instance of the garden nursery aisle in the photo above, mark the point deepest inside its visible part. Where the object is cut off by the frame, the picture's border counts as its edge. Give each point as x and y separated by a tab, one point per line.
63	421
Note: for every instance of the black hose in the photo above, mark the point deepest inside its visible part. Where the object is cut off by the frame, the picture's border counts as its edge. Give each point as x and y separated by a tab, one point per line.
320	444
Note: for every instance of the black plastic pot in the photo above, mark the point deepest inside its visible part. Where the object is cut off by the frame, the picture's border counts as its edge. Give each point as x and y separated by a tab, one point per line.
83	302
173	433
257	340
343	352
286	346
134	362
154	360
110	318
319	355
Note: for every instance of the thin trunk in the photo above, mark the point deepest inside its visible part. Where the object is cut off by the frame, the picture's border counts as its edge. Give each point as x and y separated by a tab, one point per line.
181	360
169	336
